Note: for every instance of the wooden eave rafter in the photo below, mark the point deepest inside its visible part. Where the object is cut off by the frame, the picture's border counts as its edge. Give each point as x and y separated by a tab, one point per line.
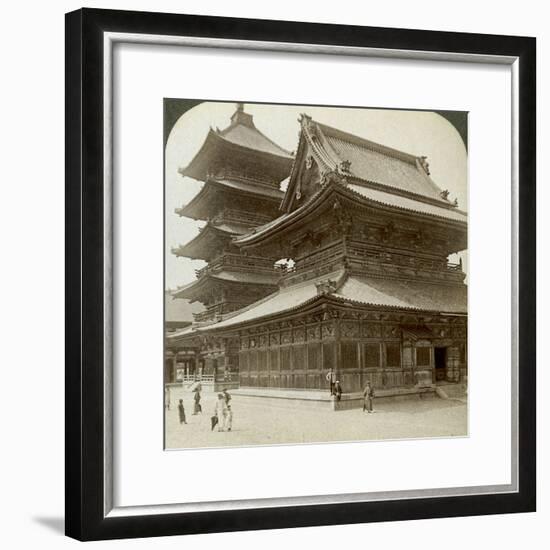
203	205
317	201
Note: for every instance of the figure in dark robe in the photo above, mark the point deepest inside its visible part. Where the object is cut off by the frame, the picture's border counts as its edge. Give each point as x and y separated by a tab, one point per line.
368	395
181	411
197	408
226	396
338	390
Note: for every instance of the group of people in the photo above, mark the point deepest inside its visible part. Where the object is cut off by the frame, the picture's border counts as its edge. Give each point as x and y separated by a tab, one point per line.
336	390
197	407
223	414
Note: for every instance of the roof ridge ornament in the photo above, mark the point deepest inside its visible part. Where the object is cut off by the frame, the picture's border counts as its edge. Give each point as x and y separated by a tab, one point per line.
423	161
241	117
325	287
332	176
345	166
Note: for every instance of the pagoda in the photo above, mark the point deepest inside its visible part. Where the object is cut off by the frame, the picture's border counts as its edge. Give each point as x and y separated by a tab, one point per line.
242	171
371	295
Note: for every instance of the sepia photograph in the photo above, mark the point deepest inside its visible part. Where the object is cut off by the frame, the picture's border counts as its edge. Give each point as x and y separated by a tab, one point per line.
316	262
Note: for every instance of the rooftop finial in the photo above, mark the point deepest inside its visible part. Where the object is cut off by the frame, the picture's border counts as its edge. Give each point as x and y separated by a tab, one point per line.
240	117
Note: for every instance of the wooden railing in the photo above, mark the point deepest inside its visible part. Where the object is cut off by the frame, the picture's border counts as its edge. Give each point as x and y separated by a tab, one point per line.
208	378
234	261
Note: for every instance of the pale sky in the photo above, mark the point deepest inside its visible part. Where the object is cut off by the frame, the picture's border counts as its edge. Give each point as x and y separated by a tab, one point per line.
415	132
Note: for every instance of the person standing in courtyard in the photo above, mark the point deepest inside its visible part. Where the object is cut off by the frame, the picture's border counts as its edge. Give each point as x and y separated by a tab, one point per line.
331	378
226	396
221	411
181	412
229	418
197	408
368	395
166	397
338	390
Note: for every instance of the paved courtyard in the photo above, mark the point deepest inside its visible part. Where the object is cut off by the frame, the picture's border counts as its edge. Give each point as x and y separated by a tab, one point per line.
255	423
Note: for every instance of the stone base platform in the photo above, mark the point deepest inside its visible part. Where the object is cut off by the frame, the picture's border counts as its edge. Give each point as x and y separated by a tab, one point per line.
322	399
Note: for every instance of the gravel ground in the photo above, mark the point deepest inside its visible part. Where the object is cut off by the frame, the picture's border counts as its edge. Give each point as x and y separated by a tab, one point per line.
254	423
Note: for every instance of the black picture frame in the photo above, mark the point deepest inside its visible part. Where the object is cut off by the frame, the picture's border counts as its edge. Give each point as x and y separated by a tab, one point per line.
85	398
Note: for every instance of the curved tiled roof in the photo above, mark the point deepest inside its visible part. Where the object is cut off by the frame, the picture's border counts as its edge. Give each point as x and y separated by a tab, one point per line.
240	137
201	246
252	138
371	291
374	162
405	294
285	299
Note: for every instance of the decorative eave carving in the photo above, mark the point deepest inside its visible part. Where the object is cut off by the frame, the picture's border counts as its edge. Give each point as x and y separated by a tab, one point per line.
325	287
332	176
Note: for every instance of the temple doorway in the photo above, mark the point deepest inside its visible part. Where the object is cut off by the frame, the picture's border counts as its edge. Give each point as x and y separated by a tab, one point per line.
440	360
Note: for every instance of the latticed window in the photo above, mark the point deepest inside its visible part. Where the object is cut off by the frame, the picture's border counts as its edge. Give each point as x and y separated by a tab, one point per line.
243	362
349	355
253	361
393	355
299	357
314	356
262	360
285	358
423	357
274	359
328	356
372	356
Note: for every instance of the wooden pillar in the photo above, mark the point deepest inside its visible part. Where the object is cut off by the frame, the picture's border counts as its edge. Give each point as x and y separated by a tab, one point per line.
408	362
198	371
174	366
338	345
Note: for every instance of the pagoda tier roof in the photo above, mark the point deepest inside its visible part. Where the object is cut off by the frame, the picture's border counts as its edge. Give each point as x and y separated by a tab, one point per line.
361	194
242	131
194	289
363	160
380	293
215	191
210	239
241	136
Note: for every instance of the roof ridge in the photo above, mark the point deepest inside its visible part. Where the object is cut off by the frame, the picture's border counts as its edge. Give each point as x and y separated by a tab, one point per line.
409	209
386	188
